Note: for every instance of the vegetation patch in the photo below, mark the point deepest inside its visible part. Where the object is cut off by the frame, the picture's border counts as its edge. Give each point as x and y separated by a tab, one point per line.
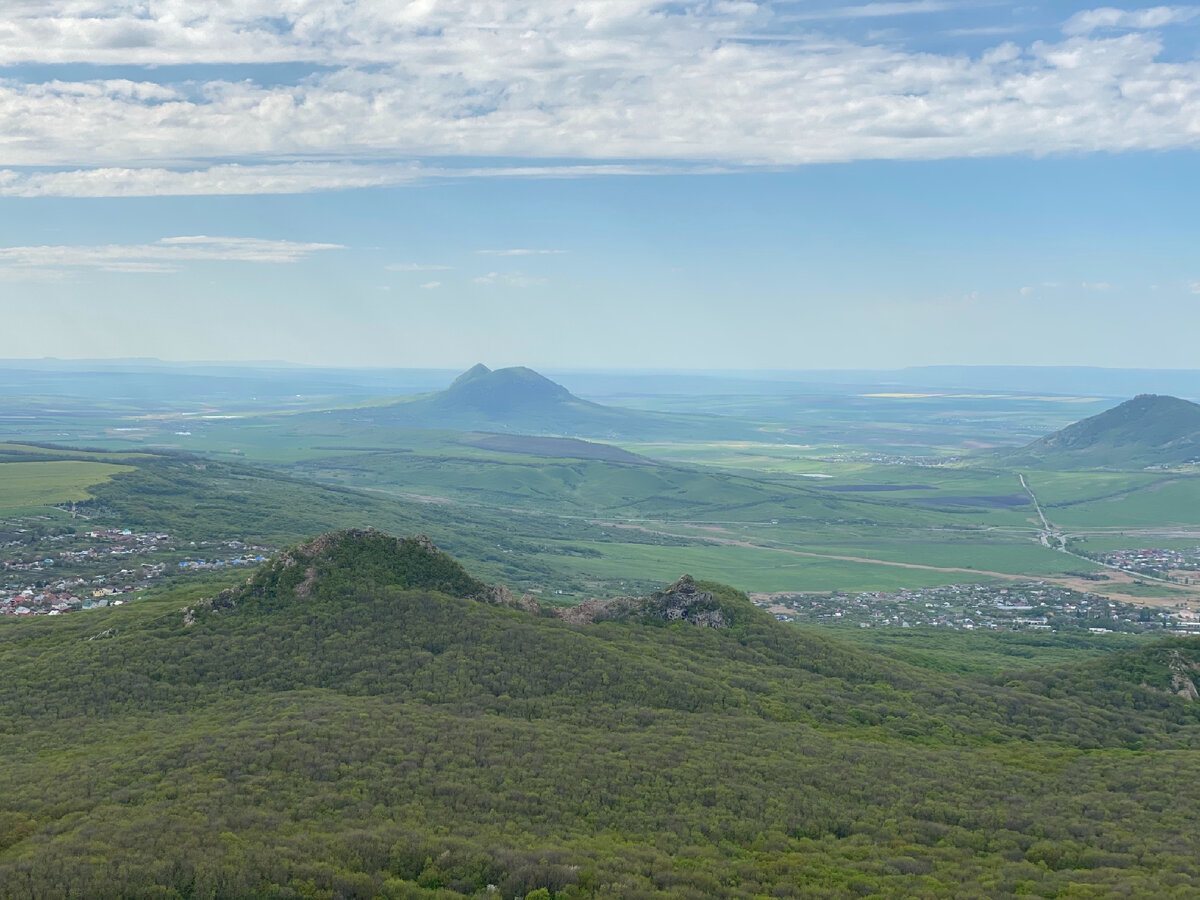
29	484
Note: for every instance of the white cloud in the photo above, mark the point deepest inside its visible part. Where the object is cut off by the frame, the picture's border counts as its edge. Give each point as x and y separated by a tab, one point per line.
417	267
1096	286
520	252
509	279
555	80
1107	17
230	178
159	257
1194	287
430	285
285	178
886	9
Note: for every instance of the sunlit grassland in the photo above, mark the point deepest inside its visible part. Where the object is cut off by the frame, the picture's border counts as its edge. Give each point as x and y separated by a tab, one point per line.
752	569
986	551
1166	501
1061	488
33	484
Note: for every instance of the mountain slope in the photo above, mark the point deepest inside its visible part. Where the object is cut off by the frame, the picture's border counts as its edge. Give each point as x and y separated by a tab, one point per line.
520	401
1149	430
342	730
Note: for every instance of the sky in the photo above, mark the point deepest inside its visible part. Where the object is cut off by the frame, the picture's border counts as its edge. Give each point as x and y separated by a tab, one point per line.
722	184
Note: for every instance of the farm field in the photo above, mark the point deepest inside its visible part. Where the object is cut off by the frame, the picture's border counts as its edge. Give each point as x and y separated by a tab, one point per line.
25	485
1166	501
759	569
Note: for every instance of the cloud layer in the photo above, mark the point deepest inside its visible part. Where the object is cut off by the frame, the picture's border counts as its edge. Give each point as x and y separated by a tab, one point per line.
710	82
161	256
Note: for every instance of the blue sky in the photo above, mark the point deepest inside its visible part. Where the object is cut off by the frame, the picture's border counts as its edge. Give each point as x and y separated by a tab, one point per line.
613	184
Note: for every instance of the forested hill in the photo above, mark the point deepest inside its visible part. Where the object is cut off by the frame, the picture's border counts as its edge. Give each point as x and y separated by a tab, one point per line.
364	718
329	565
1149	430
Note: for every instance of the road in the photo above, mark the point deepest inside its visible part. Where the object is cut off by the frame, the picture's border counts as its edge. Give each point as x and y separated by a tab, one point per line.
1056	540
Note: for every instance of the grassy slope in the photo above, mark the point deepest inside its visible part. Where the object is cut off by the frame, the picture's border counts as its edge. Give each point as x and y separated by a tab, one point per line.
27	484
1147	430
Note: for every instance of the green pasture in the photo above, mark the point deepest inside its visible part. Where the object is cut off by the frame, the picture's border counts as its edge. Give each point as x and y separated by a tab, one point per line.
1063	488
1016	558
984	549
750	569
33	484
1166	501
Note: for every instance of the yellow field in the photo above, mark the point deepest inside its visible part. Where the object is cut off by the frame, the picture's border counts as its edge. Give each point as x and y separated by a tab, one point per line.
25	484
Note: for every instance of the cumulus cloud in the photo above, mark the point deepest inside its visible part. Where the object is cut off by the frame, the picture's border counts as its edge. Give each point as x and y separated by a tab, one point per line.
159	257
556	80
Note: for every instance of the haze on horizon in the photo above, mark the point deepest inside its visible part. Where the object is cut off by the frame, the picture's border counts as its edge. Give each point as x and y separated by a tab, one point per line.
743	186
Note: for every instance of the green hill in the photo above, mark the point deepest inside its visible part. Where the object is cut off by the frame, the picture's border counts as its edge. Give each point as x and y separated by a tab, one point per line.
364	719
1149	430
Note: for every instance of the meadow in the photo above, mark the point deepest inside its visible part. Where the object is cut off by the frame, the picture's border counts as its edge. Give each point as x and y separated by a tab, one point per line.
26	486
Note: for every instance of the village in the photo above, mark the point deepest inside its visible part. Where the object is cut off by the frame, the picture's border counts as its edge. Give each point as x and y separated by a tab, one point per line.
68	571
1014	607
1181	566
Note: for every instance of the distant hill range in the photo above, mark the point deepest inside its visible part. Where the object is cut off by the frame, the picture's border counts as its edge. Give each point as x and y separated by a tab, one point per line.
1149	430
518	400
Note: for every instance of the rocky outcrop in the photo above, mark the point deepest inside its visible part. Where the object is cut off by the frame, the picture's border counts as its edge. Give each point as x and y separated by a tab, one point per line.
681	602
499	595
1183	676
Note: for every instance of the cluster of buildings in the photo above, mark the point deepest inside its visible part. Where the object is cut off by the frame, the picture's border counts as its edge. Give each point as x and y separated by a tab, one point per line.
63	597
1182	566
889	459
70	571
1014	607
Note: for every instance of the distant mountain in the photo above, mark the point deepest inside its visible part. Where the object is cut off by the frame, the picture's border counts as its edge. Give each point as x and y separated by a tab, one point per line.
1148	430
518	400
